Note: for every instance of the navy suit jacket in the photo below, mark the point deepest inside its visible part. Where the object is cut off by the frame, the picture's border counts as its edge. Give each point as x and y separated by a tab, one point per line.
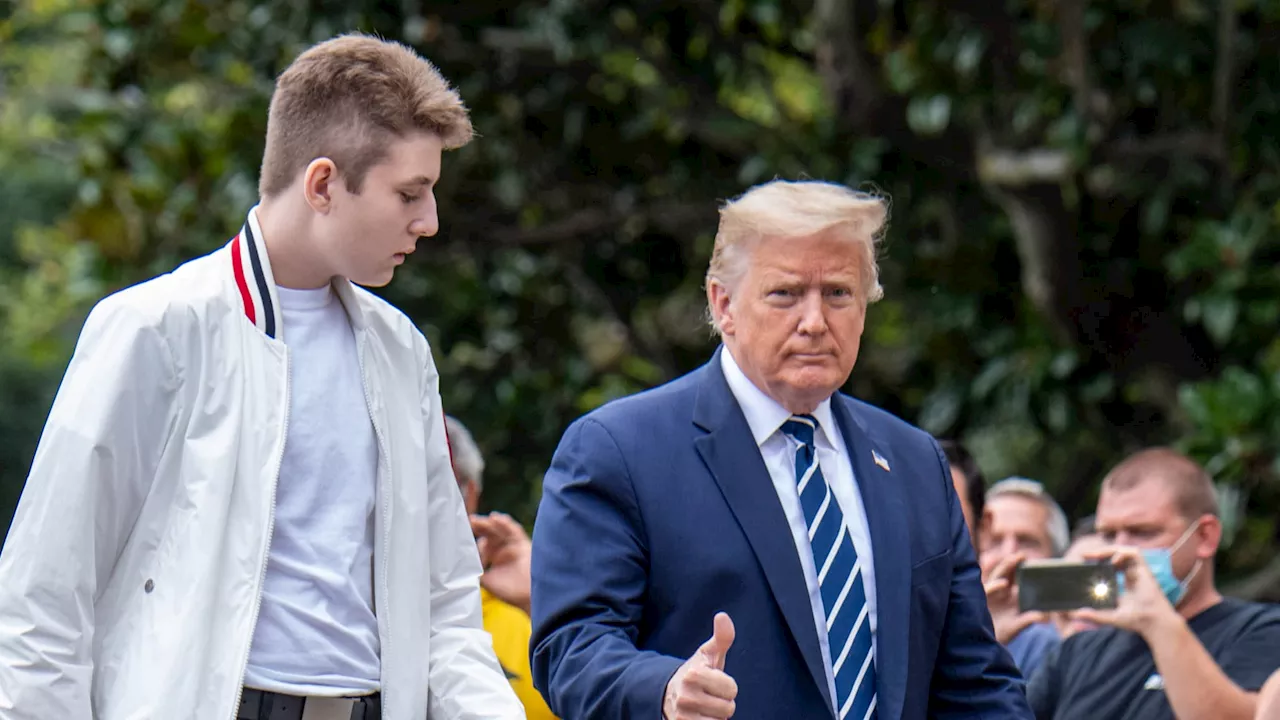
658	512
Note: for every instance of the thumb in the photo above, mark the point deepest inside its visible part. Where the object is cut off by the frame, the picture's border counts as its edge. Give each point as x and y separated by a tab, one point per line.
1027	619
713	651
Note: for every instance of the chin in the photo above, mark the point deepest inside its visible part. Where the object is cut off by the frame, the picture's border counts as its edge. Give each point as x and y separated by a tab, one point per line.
373	281
815	382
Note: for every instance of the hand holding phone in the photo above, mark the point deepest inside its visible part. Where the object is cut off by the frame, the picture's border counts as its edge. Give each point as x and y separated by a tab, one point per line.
1059	585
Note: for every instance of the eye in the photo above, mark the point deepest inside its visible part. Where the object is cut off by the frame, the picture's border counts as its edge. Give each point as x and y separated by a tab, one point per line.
407	198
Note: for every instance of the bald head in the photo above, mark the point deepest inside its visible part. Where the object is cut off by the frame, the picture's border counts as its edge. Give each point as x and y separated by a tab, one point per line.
1188	483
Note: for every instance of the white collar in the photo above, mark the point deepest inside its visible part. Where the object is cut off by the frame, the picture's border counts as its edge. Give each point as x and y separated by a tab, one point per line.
764	414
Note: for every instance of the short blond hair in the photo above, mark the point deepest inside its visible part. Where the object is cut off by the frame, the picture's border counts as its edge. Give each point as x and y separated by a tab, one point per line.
345	99
783	209
1192	487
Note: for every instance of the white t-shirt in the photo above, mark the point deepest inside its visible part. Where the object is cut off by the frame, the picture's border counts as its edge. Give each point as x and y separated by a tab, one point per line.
316	631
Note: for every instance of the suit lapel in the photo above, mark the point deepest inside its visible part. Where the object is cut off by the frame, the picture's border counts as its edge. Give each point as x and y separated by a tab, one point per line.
882	496
731	454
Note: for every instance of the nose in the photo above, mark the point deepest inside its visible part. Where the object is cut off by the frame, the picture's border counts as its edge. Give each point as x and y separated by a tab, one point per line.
1010	546
427	225
813	319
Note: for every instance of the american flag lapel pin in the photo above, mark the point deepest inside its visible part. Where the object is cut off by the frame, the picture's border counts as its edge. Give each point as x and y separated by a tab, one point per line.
884	464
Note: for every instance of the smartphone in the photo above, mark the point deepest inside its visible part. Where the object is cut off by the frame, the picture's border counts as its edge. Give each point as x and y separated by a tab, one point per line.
1050	585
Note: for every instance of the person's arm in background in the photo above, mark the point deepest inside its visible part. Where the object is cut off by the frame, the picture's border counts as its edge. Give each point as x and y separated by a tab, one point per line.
1269	699
1197	688
465	681
974	676
115	411
589	580
506	556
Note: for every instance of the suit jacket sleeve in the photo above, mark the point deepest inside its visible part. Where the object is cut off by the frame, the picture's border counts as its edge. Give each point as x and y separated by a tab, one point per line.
974	676
589	582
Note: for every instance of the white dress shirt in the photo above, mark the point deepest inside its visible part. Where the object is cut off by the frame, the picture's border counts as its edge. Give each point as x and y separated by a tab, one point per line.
765	416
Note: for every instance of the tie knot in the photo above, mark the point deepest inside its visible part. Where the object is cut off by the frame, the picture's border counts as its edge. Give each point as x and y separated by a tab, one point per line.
801	428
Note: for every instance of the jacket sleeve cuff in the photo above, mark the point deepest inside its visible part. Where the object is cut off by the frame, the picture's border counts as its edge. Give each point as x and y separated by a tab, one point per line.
648	678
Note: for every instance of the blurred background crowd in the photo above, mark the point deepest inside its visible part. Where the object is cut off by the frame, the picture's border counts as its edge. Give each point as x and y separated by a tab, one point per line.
1081	262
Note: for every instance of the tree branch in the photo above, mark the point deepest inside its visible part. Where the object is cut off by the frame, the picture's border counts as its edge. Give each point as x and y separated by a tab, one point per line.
848	77
1039	165
1074	53
1190	144
1090	102
1028	187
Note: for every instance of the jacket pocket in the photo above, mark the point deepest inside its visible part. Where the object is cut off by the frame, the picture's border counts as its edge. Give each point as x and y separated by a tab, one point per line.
931	568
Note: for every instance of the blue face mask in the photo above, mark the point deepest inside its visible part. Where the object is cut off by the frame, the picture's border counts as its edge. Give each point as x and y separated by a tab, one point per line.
1160	560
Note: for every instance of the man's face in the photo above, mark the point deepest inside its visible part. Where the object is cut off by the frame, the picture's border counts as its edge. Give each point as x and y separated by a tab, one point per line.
1014	524
961	484
1146	515
368	235
794	321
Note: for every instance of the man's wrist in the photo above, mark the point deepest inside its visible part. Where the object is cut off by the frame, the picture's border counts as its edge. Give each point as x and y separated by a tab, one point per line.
1160	622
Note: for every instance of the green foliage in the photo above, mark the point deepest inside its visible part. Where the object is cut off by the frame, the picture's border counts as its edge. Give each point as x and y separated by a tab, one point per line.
1082	258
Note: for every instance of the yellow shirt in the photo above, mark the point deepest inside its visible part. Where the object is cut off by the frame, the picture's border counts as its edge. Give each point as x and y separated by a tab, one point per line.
511	629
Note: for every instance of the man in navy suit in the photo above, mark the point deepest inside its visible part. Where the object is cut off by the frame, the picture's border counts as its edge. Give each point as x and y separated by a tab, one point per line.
745	541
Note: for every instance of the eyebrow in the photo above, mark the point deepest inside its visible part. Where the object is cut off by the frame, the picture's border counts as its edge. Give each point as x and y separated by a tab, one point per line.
791	278
419	180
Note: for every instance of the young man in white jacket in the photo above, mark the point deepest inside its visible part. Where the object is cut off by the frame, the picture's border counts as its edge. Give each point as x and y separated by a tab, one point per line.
242	504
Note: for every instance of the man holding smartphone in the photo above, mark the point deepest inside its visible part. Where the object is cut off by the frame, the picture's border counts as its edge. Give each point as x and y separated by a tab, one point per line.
1021	522
1173	646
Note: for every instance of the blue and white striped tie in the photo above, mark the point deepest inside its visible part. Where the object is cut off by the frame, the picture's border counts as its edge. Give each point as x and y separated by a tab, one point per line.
844	597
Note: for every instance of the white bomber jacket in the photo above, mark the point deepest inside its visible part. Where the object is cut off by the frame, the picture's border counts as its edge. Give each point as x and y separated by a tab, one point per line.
131	576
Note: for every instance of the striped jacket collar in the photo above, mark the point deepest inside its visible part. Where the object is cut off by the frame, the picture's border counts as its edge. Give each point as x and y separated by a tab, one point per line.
254	280
256	284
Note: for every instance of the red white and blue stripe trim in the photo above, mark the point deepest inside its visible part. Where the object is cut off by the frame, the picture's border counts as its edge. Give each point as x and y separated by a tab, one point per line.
254	279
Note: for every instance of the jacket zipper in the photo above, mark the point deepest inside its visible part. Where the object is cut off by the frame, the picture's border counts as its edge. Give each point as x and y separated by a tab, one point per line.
266	546
383	490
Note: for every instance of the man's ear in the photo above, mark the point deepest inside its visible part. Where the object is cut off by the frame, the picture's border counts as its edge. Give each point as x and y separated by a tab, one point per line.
1207	537
318	184
718	301
984	525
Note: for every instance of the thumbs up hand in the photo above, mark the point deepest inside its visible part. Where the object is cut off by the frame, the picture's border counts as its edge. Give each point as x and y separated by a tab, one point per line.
700	689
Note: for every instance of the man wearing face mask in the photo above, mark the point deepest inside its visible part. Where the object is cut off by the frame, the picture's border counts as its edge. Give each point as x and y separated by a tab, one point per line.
1173	647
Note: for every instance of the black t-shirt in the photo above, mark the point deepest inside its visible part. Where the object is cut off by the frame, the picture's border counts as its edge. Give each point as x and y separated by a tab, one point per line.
1110	673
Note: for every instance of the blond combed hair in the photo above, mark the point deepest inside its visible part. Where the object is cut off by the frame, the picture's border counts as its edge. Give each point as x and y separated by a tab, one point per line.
782	209
346	99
